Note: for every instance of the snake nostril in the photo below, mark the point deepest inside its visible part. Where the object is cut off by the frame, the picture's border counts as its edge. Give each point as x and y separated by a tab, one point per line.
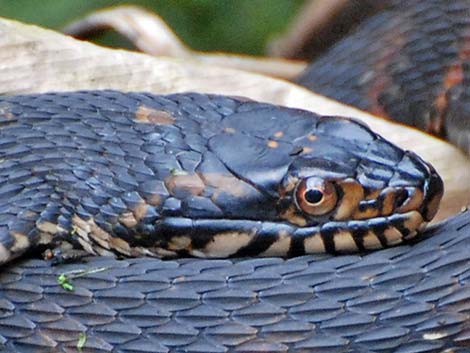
401	197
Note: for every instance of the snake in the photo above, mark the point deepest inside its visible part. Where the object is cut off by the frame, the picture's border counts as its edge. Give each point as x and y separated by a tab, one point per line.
314	227
410	65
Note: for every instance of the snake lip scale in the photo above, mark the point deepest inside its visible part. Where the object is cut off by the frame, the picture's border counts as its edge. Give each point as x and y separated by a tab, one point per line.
210	176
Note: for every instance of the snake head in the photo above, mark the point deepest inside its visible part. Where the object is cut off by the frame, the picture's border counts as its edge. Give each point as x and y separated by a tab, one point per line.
327	183
360	185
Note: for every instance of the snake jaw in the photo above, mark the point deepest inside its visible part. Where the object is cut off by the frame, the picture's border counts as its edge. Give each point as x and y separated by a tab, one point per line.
364	217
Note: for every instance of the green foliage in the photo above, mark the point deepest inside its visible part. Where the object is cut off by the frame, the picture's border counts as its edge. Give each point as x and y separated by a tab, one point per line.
82	338
242	26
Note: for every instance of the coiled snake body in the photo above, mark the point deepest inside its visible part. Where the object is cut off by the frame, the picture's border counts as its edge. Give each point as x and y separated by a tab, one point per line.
211	176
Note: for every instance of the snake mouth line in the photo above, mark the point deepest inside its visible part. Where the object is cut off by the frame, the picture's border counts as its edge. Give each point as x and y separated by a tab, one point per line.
237	238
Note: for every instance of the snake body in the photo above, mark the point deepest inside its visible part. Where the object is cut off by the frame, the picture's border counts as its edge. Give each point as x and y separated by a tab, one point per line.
401	299
410	62
134	174
137	174
209	176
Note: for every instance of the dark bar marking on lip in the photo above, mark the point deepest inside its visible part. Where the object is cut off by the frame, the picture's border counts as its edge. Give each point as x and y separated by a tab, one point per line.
327	234
398	223
297	247
378	227
358	233
260	243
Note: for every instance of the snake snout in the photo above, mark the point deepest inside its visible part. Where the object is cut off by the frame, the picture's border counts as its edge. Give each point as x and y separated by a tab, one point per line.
433	191
425	194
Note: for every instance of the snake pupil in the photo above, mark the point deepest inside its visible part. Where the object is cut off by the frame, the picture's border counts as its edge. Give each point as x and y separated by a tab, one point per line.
313	196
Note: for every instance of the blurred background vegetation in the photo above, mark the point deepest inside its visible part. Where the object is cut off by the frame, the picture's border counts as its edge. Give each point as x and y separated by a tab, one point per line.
243	26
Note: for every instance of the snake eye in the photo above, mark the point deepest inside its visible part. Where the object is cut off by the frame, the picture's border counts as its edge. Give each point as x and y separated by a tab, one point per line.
316	196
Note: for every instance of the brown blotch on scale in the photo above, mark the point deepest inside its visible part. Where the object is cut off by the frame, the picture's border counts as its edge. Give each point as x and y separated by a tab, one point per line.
453	77
21	241
46	238
102	237
377	81
180	242
292	216
184	185
411	235
133	218
229	130
380	84
154	251
344	241
280	247
288	185
372	194
464	52
156	195
82	229
80	225
121	246
95	240
366	210
128	219
393	236
353	193
314	244
371	242
140	211
225	184
312	137
47	227
414	201
149	115
29	215
388	201
412	222
154	200
279	134
5	254
224	244
272	144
